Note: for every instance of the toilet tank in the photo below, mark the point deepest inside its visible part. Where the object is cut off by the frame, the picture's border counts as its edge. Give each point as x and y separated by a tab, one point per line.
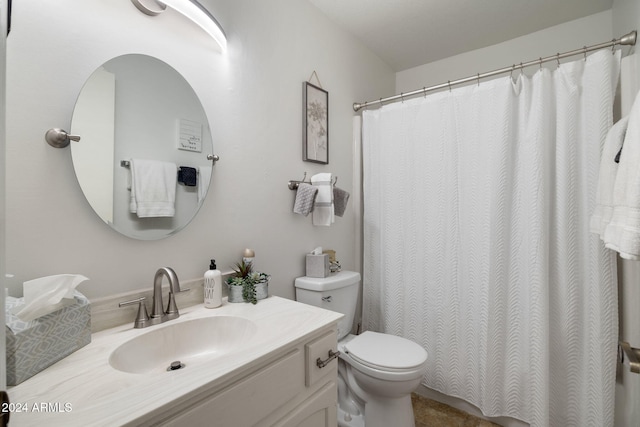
337	292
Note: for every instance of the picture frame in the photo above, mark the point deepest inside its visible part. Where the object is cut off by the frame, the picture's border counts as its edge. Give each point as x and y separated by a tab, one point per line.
315	133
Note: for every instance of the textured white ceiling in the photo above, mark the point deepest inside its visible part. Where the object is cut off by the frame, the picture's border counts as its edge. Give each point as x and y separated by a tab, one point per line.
407	33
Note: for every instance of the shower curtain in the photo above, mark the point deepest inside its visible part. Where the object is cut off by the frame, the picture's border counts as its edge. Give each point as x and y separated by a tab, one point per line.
477	243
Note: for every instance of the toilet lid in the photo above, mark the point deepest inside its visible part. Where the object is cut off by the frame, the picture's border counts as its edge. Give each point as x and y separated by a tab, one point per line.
385	351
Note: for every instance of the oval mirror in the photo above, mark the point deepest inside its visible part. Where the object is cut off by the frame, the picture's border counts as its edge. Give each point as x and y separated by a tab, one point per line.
137	109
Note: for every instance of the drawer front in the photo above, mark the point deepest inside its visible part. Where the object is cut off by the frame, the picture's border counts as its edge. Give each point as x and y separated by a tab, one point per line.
252	398
319	349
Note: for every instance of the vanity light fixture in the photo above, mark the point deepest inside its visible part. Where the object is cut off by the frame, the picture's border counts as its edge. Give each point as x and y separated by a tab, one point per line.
191	9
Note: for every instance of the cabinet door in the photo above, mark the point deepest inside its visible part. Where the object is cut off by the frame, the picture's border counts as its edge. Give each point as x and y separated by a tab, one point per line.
319	349
319	410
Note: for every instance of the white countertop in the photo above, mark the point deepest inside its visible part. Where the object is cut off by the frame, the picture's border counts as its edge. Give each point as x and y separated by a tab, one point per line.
83	389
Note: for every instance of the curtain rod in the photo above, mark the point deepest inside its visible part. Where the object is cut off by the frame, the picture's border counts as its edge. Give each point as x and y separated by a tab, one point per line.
626	40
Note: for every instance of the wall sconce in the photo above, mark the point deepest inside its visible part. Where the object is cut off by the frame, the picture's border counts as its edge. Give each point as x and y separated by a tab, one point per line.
190	9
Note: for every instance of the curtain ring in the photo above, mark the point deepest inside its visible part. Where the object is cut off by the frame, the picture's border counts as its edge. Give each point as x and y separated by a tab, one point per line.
613	46
540	63
424	90
402	97
558	59
584	50
478	79
521	69
449	86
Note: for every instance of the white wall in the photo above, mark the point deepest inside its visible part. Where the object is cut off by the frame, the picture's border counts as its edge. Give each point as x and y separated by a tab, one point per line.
252	96
3	31
572	35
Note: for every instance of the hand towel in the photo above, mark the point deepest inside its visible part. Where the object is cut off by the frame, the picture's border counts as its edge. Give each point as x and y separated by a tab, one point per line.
607	177
188	176
305	199
623	231
203	182
323	207
340	199
153	188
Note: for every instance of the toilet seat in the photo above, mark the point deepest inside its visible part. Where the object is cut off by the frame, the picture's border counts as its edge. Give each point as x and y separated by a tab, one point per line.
386	356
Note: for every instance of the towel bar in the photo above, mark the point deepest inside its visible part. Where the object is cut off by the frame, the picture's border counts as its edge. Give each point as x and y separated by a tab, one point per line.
626	352
213	157
293	185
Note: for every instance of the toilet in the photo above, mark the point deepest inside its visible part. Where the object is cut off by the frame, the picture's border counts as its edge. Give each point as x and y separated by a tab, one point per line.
376	372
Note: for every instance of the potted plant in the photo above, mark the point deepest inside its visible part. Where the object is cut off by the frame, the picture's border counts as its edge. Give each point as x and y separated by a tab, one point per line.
247	285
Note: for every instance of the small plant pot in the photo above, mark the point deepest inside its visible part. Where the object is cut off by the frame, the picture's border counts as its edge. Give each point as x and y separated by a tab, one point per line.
235	292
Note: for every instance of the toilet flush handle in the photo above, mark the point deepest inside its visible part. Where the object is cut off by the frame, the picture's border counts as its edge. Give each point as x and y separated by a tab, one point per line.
322	363
327	298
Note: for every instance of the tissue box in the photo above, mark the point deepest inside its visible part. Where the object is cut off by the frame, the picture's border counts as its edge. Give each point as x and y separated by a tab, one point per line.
317	265
35	345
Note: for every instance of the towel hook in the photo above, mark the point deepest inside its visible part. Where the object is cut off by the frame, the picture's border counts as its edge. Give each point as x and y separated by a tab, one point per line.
59	138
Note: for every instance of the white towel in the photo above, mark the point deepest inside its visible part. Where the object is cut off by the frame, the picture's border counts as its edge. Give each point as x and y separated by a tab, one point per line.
153	188
623	232
607	177
204	180
323	207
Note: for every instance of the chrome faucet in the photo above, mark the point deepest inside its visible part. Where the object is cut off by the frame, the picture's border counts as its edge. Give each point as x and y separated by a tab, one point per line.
158	315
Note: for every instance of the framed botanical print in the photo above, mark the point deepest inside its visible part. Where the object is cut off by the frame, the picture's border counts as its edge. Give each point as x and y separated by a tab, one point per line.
315	138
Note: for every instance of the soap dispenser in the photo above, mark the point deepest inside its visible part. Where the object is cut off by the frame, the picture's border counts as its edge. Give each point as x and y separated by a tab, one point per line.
212	286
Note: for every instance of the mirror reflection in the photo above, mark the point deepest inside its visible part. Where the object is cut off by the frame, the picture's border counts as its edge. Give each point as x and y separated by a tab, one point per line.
145	138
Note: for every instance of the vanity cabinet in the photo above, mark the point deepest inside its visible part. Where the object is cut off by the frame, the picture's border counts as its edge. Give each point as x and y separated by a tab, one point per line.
285	389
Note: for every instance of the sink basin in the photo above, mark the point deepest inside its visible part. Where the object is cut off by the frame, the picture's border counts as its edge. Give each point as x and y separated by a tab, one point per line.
190	342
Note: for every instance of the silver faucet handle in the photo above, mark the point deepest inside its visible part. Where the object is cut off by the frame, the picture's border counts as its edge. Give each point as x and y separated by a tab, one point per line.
142	318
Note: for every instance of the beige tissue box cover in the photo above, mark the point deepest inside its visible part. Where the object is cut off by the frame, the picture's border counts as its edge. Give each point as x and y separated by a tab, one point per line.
35	345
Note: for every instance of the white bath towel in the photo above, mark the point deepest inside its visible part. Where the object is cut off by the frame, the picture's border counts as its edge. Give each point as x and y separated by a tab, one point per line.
153	188
204	179
623	232
607	177
323	207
